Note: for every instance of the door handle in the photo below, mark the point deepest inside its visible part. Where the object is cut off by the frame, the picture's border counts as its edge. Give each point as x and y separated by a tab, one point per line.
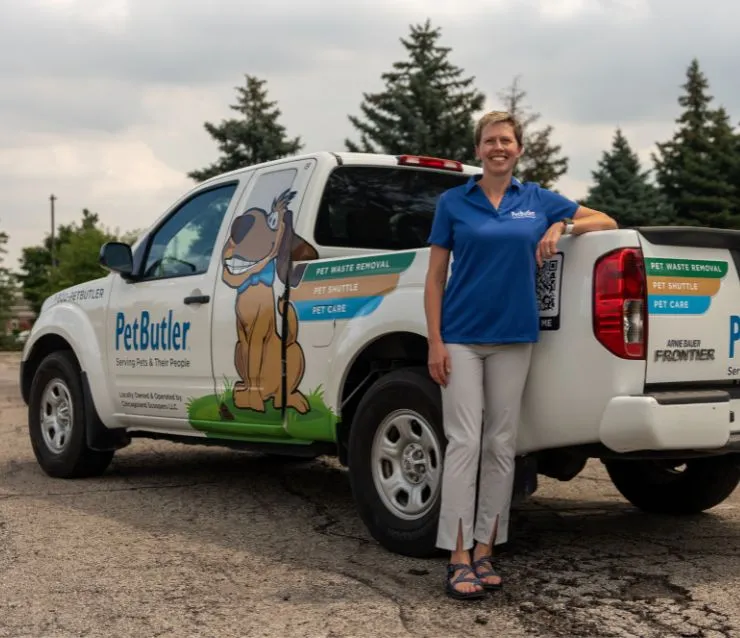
197	299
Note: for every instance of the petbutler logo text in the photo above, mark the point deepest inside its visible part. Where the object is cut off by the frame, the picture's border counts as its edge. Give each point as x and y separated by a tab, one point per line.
143	334
523	214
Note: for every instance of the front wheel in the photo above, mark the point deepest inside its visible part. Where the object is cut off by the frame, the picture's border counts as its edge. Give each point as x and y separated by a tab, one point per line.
395	458
56	421
667	487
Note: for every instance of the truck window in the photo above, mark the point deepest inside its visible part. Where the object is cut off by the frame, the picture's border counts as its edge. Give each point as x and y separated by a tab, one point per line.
184	243
378	207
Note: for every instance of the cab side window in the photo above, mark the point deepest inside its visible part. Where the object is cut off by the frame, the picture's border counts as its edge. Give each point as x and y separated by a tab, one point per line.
183	245
378	207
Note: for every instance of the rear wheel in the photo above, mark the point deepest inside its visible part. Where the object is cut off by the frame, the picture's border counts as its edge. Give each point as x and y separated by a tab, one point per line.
396	451
56	421
669	487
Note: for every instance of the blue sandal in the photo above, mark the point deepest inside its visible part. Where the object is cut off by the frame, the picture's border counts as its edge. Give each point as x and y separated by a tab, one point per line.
483	569
466	572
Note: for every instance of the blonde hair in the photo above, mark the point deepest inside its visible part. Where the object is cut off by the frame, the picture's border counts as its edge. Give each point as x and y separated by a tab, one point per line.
493	117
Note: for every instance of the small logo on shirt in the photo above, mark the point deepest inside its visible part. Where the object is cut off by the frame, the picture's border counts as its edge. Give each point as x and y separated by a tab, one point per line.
523	214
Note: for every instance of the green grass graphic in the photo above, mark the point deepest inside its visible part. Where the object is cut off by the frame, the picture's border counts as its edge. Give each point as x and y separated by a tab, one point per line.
216	415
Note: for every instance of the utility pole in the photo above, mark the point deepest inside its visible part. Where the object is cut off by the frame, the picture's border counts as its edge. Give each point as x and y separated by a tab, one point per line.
52	199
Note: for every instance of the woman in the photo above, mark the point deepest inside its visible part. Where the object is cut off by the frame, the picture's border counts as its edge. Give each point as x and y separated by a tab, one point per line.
481	328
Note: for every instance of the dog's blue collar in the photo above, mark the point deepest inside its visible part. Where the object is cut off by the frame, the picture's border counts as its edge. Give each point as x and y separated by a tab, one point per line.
265	276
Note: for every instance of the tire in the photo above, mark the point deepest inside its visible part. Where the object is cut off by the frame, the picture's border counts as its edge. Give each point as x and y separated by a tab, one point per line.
407	401
657	487
61	449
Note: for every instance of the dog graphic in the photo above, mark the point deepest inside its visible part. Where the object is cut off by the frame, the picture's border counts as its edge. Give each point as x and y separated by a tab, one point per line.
259	250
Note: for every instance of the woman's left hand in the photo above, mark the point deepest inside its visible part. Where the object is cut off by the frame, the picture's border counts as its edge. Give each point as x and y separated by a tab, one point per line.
549	243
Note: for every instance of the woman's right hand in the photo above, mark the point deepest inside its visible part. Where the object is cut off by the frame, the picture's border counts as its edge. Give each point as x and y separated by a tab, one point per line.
439	362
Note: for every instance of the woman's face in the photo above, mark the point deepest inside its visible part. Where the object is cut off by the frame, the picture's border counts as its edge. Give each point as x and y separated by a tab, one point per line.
498	149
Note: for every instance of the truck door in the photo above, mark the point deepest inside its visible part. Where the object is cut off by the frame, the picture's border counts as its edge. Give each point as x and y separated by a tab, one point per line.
159	327
251	336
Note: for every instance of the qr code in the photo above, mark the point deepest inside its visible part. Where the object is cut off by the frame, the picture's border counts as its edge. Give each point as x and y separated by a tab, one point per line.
548	286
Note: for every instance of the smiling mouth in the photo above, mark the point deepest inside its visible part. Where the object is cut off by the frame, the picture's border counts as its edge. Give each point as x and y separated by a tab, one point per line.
238	265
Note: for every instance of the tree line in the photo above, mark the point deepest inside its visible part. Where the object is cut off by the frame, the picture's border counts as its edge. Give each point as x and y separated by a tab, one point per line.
76	251
428	106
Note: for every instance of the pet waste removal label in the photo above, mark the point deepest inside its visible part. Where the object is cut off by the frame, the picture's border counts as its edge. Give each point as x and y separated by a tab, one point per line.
389	264
683	286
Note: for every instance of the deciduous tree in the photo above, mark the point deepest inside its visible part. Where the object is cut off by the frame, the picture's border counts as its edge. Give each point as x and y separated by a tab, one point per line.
77	248
542	161
7	290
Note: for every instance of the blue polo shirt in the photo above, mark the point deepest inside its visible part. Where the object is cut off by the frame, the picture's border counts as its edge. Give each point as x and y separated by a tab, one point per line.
491	293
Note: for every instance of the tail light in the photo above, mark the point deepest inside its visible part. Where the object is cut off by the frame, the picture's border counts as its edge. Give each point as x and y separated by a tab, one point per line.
620	303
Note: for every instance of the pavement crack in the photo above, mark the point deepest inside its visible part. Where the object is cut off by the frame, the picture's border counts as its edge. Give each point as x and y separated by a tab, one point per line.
403	615
326	527
137	488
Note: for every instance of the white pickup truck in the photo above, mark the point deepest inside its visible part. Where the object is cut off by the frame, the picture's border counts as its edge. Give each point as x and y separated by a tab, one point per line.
279	308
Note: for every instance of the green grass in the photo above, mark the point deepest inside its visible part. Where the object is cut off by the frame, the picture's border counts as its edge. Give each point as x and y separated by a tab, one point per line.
207	414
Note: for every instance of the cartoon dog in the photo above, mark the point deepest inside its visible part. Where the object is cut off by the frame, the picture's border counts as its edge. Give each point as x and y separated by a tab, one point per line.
259	248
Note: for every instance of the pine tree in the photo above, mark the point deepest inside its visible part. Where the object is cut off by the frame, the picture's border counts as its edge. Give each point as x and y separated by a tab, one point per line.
426	108
256	136
735	170
541	161
693	169
726	147
622	189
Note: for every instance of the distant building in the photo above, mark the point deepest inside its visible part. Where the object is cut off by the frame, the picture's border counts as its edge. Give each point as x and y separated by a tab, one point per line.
21	316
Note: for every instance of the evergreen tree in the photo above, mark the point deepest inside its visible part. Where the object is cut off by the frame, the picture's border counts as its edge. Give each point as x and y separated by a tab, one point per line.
426	108
693	169
622	189
541	161
256	136
734	170
726	162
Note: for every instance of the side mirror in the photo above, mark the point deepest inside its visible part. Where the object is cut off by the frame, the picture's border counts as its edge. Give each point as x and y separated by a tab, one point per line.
117	257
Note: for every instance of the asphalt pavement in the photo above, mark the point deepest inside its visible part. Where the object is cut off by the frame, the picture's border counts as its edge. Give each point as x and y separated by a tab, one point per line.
184	541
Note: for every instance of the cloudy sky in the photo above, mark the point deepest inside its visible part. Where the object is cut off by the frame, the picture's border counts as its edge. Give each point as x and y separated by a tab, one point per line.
103	101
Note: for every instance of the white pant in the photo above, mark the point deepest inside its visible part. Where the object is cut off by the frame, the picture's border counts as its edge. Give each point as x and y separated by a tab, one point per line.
483	393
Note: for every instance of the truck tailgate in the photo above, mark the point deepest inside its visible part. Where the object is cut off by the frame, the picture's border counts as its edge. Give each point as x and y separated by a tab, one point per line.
693	298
